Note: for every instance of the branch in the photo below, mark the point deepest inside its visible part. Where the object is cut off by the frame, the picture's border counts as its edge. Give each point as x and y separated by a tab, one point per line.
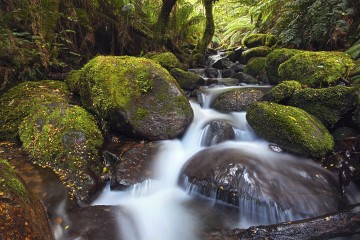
339	224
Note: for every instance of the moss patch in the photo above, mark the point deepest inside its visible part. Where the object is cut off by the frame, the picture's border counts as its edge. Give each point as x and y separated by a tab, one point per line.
115	88
73	81
327	104
316	69
10	182
256	40
254	66
273	61
282	92
168	60
16	103
186	80
21	213
66	139
291	128
254	52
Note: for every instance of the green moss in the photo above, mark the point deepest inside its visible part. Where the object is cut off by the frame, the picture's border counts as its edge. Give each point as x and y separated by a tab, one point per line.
16	103
10	182
256	40
254	52
327	104
291	128
273	61
186	80
142	113
316	69
254	66
114	88
64	138
282	92
73	81
168	60
109	83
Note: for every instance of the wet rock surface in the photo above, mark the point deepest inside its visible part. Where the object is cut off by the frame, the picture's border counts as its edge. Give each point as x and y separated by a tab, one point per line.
217	132
247	179
344	224
94	223
134	166
237	100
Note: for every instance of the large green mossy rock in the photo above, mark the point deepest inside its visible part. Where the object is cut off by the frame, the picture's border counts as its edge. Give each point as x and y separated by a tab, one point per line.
72	80
291	128
254	66
135	96
257	40
282	92
273	61
329	105
66	139
262	51
21	214
316	69
167	59
187	80
16	103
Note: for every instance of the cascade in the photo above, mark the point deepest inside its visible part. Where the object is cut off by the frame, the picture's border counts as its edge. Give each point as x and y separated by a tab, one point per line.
171	206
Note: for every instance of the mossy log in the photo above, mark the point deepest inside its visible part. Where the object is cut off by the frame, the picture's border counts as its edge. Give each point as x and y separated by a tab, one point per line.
339	224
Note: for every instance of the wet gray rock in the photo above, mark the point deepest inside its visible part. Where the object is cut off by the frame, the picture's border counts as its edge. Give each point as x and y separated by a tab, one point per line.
217	132
93	223
245	179
211	73
236	100
134	166
246	78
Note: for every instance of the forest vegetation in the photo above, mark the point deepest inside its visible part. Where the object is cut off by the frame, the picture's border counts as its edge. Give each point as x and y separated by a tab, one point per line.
45	39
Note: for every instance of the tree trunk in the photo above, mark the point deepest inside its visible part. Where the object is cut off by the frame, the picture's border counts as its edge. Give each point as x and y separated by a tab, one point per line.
209	28
163	19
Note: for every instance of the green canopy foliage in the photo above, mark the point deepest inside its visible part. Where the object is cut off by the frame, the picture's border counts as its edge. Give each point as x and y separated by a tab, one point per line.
42	37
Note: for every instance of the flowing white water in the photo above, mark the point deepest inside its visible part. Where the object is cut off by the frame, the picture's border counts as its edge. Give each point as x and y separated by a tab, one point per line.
157	209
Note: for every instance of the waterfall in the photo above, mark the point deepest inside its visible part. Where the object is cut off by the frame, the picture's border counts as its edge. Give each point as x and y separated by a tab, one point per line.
158	209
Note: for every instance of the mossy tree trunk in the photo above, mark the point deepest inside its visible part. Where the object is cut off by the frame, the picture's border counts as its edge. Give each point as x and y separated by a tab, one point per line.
163	19
209	28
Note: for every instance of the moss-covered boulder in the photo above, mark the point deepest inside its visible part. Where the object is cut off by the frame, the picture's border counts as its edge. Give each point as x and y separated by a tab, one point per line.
259	39
66	139
282	92
187	80
355	73
167	59
254	66
21	214
16	103
291	128
329	105
237	100
73	81
262	51
316	69
135	96
273	61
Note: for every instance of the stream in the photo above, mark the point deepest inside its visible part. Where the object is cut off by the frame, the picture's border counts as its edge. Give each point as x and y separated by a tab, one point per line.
158	209
272	186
